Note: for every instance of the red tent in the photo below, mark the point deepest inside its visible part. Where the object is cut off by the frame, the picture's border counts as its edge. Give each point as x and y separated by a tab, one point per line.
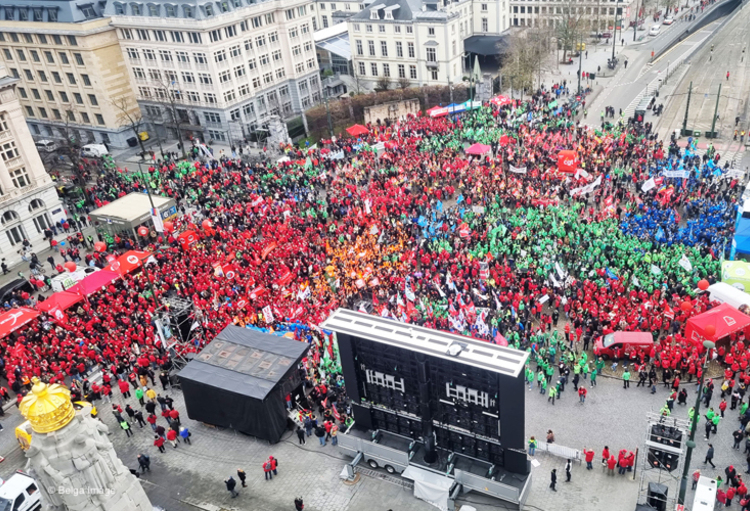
128	262
94	282
187	238
59	301
501	100
15	319
478	149
567	161
357	130
437	111
725	319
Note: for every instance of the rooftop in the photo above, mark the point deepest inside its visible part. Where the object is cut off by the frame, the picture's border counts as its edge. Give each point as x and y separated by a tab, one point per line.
481	354
53	11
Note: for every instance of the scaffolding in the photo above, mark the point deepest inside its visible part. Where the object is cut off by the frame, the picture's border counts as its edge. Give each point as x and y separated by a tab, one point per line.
179	325
666	438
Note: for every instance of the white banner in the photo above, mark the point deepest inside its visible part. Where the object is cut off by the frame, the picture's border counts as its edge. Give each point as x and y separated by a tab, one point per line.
588	188
677	173
518	170
685	263
648	185
734	173
267	314
479	210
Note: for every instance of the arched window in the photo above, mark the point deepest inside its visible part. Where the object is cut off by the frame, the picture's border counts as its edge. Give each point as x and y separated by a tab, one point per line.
10	217
36	204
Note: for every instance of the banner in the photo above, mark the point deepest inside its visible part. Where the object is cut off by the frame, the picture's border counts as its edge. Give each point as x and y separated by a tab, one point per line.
268	315
567	161
518	170
648	185
588	188
685	263
734	173
684	174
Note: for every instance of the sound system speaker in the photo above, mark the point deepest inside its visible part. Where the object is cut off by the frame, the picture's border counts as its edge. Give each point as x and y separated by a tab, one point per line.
516	461
362	416
657	496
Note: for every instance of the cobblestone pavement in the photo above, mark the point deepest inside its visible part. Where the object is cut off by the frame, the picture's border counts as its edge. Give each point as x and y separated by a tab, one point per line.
191	476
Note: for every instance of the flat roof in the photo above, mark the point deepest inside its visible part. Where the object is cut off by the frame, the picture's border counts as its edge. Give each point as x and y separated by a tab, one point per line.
131	207
477	353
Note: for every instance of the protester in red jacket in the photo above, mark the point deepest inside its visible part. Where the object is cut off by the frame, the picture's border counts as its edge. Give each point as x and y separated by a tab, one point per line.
589	458
124	388
159	442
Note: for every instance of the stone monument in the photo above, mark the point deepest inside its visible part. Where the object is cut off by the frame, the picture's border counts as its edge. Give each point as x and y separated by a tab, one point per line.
73	460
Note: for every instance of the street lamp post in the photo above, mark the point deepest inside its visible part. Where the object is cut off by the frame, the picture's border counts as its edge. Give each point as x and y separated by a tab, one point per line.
693	424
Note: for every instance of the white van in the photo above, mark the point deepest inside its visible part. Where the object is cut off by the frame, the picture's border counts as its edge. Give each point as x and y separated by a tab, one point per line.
705	494
655	29
729	294
46	146
94	150
69	279
20	493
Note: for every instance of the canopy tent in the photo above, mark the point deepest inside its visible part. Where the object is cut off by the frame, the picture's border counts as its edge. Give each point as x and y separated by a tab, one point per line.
742	237
59	301
15	319
94	282
478	149
725	320
501	100
437	111
128	262
357	130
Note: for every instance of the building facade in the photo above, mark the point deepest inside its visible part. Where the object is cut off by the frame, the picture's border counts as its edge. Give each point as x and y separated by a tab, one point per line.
597	15
219	70
421	42
71	73
28	199
333	13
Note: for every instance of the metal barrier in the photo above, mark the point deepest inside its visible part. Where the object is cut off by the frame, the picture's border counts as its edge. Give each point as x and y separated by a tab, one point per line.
561	451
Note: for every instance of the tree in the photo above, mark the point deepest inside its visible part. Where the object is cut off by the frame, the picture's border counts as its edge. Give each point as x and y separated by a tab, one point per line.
130	115
529	51
170	98
571	28
383	83
70	147
403	82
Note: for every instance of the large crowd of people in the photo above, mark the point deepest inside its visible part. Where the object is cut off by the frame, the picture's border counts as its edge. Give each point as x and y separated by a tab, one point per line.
401	222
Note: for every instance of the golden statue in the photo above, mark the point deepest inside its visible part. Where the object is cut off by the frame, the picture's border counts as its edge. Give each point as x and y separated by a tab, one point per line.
48	407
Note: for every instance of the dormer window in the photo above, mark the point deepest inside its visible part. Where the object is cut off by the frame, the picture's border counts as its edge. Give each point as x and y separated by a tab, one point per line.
209	9
374	15
388	15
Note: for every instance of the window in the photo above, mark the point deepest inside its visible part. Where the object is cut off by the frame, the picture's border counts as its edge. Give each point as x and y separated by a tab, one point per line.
200	58
215	35
290	14
38	14
79	59
324	19
243	90
356	27
386	70
235	51
85	118
413	72
193	97
381	29
42	113
23	14
132	54
209	9
165	55
154	74
35	93
362	69
49	57
409	29
188	77
256	83
368	29
220	56
305	28
71	115
22	92
276	56
212	117
249	110
194	37
14	72
485	25
273	37
229	96
21	55
149	54
371	48
434	74
50	96
264	60
224	6
8	54
182	56
399	49
99	119
28	74
205	79
384	48
358	44
171	11
64	97
78	98
260	41
252	64
56	114
431	31
209	98
225	76
160	35
293	33
270	19
86	80
230	31
410	47
16	234
71	78
189	11
42	76
401	71
92	100
268	78
280	73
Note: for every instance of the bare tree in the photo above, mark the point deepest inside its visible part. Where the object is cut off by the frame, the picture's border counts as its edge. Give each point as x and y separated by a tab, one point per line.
403	82
70	147
129	114
171	99
571	28
529	52
383	83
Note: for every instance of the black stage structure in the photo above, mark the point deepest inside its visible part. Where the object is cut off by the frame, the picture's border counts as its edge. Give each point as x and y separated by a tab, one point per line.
240	381
453	394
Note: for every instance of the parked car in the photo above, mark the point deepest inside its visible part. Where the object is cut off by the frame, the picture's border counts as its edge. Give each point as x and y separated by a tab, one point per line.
15	285
617	343
668	20
46	146
94	150
655	29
